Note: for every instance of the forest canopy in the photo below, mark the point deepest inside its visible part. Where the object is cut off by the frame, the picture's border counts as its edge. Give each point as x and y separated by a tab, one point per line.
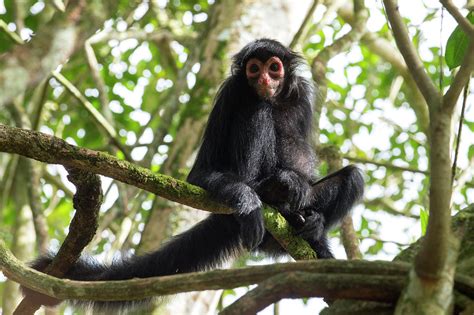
108	100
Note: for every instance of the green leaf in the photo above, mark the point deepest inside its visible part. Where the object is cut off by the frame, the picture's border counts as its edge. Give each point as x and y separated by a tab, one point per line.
456	46
424	215
470	152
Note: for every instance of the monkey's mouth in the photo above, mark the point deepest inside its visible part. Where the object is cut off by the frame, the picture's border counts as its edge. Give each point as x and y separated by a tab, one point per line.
267	91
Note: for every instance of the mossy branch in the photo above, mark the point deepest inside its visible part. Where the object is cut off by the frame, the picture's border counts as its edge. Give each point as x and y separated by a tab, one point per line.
336	279
213	280
52	150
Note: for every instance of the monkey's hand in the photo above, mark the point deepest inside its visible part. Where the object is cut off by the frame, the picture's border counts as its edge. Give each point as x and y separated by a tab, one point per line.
313	226
245	200
297	188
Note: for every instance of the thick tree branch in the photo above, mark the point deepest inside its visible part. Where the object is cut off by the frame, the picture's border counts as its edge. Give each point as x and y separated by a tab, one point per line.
133	289
417	70
52	150
304	284
213	280
463	220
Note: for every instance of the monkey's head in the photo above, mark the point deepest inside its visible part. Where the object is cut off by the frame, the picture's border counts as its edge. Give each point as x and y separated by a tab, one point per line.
266	65
265	76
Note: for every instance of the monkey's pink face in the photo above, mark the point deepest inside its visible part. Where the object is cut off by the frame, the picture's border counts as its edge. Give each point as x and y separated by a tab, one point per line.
266	77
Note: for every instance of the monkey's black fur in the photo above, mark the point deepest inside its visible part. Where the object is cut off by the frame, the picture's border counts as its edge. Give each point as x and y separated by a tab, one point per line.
253	150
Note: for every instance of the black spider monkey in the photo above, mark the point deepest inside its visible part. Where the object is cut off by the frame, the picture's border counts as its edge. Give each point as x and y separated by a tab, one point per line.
255	148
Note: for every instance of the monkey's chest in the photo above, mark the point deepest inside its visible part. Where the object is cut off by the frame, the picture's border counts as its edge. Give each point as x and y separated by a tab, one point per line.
254	146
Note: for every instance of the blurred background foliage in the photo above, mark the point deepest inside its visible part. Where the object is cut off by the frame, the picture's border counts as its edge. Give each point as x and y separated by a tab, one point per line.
151	71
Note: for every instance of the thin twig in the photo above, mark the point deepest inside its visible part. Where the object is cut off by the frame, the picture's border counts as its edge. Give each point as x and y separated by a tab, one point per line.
458	140
303	25
319	64
384	164
441	52
12	35
98	117
409	53
99	81
457	15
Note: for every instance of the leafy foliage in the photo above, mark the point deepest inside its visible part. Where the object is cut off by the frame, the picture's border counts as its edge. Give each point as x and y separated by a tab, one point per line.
456	46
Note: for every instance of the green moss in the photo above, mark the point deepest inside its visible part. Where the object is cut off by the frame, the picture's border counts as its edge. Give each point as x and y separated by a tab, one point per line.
276	224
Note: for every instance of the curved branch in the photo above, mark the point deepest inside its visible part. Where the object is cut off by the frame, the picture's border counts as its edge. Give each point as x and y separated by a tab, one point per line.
87	201
303	284
385	49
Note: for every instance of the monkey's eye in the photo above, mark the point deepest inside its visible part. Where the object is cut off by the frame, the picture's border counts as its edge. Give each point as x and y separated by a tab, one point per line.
274	67
254	68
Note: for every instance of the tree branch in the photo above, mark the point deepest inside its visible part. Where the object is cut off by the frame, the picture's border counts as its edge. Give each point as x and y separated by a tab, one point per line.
319	64
304	284
100	120
26	65
384	164
460	80
87	201
303	25
332	155
464	23
12	35
49	149
417	70
138	289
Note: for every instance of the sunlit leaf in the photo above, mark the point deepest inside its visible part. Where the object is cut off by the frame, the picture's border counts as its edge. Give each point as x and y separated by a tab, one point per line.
424	215
456	46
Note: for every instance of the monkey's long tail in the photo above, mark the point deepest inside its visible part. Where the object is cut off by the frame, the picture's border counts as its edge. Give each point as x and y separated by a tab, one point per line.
204	246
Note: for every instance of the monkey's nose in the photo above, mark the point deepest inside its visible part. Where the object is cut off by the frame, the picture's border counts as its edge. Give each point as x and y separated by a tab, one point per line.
264	80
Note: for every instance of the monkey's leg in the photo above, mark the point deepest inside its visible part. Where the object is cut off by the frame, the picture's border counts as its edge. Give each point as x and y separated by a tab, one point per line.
335	195
331	200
